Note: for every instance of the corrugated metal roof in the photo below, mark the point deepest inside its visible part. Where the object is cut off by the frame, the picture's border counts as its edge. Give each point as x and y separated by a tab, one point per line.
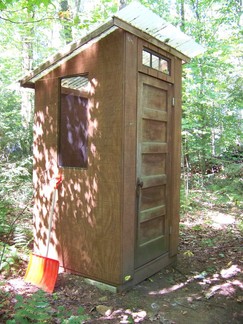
147	21
75	83
133	15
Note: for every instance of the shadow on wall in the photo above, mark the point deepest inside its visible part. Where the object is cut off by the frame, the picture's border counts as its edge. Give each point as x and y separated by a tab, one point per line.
78	194
86	236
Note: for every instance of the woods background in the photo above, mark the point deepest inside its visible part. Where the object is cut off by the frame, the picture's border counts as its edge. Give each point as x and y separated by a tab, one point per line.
32	30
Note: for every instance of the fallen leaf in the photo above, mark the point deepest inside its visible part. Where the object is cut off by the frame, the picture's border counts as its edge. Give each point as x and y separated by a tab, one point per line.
189	253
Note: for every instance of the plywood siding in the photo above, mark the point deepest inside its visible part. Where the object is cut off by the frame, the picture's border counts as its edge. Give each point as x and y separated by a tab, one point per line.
45	156
86	233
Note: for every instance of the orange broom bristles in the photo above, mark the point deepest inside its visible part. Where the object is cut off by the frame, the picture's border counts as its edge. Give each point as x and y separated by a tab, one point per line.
42	272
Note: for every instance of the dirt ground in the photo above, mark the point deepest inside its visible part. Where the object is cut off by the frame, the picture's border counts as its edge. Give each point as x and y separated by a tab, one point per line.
204	287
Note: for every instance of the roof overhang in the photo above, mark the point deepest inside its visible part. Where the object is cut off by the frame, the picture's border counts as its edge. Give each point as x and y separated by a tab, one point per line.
135	19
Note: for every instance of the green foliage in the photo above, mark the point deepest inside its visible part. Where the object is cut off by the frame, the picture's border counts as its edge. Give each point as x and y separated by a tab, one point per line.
13	136
208	242
223	189
228	186
38	309
240	225
29	4
197	228
16	180
212	108
31	30
35	309
98	14
9	258
192	199
22	236
76	319
4	225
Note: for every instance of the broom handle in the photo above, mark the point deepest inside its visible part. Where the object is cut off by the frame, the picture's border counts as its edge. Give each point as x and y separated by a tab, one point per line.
50	221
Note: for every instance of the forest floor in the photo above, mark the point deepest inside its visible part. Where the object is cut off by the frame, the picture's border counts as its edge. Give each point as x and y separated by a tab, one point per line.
204	286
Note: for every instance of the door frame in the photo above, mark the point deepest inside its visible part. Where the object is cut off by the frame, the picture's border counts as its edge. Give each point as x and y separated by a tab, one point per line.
169	88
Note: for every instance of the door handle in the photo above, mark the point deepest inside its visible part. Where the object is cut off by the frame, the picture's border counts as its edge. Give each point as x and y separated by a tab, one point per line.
139	183
139	186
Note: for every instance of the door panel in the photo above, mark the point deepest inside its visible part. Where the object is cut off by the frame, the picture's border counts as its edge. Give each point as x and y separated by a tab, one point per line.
153	168
153	164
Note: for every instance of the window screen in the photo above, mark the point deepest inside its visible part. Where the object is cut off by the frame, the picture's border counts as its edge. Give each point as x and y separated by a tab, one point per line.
73	133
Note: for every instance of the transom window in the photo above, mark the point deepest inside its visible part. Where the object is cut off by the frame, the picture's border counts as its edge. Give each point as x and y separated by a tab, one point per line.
73	127
156	61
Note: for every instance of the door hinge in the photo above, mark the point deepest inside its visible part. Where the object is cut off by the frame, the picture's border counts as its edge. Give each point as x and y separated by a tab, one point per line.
173	101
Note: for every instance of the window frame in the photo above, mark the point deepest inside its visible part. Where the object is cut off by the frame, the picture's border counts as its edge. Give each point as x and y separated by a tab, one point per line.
158	51
159	57
84	93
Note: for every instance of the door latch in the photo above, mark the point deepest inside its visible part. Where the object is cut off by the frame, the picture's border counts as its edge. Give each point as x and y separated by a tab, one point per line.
139	186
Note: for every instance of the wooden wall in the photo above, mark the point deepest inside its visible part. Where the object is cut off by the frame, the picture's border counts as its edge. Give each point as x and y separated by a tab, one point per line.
129	207
95	220
86	233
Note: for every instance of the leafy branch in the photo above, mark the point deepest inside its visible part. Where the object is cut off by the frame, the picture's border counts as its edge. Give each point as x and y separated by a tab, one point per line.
29	22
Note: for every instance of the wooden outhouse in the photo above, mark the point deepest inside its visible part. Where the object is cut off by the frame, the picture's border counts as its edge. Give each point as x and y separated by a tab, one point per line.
107	118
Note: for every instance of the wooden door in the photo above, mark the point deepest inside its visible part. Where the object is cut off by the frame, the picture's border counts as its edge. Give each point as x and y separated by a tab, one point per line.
153	168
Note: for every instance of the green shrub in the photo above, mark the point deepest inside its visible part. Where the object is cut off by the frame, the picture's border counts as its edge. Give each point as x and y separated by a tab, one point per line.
228	185
37	309
9	258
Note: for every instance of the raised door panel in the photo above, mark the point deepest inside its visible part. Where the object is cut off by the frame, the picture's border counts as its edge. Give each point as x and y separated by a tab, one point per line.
153	168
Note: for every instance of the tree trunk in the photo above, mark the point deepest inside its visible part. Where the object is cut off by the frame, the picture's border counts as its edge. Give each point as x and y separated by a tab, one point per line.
182	14
65	14
27	63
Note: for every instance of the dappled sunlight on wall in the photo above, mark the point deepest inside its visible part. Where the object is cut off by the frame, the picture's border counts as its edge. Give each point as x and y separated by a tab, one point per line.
77	196
87	211
84	230
44	165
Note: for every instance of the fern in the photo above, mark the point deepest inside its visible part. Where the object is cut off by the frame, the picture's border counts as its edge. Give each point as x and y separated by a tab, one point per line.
9	258
22	237
35	309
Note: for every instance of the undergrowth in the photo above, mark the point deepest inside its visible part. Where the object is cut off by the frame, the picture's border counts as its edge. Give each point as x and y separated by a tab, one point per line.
220	190
38	309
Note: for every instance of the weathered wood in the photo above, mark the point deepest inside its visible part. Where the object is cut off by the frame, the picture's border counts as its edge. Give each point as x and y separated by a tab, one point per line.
176	160
154	148
153	196
112	219
129	157
154	180
152	72
88	237
152	213
154	115
153	164
152	190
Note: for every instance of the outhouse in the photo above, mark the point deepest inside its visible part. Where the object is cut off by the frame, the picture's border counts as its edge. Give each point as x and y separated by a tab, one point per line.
107	118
